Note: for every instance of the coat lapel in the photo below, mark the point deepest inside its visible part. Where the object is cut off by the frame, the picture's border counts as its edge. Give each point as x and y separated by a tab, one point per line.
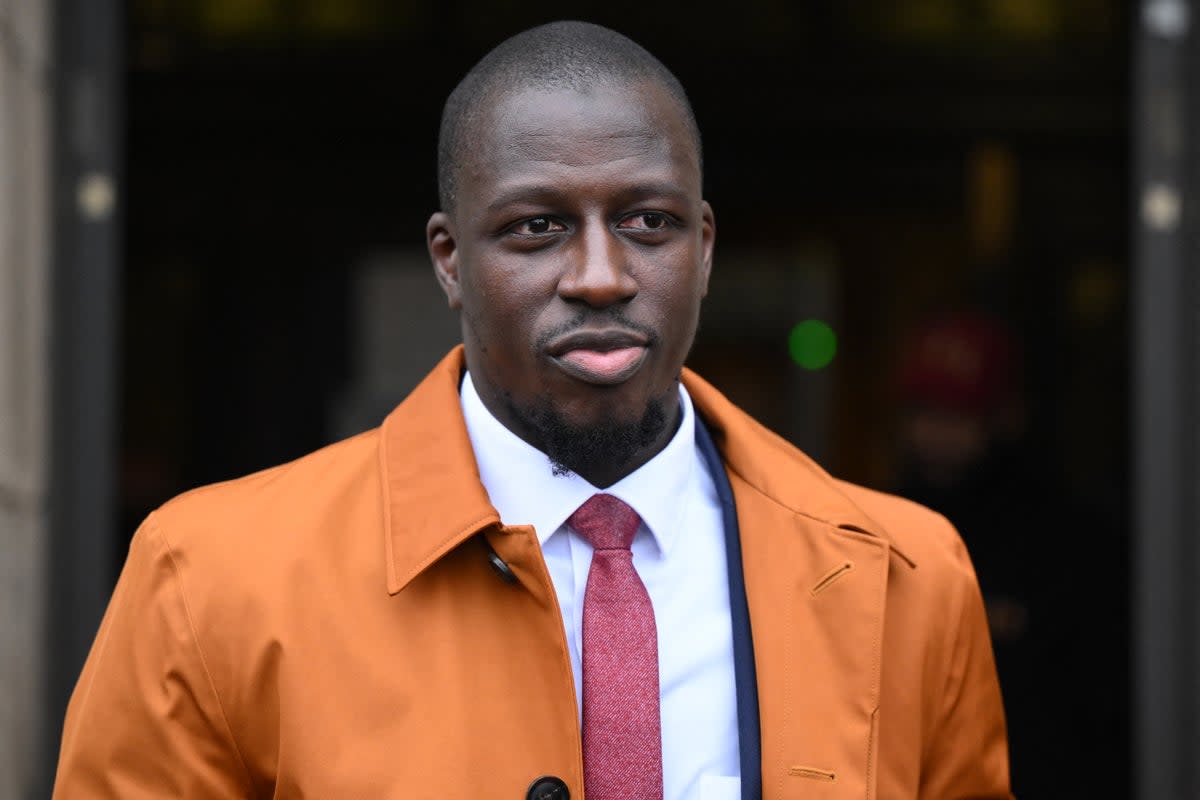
816	571
816	596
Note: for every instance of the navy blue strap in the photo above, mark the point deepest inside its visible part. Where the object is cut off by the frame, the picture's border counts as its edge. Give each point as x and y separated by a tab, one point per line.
749	736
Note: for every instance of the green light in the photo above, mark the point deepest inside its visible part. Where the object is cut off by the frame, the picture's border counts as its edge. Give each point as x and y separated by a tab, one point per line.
812	344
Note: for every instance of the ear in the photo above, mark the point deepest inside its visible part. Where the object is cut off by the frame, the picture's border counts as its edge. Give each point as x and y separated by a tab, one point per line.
708	237
443	252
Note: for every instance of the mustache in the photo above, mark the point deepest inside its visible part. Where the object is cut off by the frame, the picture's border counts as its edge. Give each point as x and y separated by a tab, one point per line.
596	318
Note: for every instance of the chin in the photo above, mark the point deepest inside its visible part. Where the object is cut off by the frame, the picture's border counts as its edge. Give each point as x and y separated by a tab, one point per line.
611	435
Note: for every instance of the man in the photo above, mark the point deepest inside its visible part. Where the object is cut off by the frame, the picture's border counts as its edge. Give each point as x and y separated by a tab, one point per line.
555	567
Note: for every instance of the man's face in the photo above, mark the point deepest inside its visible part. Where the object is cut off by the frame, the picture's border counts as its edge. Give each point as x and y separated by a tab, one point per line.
578	253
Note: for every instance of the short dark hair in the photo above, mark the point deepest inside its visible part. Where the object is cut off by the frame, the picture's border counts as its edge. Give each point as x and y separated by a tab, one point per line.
558	55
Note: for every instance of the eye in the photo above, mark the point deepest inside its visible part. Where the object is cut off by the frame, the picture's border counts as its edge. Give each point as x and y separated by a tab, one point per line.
537	226
645	221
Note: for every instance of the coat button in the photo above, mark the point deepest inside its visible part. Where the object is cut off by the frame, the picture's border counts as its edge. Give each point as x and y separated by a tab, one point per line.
548	787
500	568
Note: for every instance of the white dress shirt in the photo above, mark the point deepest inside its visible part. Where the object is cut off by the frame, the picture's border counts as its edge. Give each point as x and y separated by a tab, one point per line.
679	552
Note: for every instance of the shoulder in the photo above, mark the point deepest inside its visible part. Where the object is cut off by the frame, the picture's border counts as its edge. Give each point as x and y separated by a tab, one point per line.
924	535
249	523
304	481
237	561
779	470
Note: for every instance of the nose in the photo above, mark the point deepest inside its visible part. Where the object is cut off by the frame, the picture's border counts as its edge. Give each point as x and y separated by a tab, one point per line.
598	274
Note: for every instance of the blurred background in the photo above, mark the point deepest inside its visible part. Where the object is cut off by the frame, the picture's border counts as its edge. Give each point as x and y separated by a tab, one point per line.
953	261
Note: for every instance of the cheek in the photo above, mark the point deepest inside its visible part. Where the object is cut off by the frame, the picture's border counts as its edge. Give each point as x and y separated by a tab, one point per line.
488	292
679	293
500	310
675	273
513	279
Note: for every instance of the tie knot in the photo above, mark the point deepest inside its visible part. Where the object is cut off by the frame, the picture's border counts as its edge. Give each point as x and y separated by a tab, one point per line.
607	522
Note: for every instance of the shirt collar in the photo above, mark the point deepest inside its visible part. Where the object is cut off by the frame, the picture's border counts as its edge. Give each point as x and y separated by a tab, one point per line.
525	491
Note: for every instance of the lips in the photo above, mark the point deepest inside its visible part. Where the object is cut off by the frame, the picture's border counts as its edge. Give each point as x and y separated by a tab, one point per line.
601	358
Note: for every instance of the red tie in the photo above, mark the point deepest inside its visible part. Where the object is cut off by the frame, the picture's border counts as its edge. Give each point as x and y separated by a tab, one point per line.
622	739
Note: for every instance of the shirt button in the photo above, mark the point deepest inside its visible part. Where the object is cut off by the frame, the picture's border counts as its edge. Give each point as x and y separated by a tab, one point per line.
548	787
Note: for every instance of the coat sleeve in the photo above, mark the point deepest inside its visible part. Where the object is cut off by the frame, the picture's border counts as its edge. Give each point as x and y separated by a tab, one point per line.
145	720
967	755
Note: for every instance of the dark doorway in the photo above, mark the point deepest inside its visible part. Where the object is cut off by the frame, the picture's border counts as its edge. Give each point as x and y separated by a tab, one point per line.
873	166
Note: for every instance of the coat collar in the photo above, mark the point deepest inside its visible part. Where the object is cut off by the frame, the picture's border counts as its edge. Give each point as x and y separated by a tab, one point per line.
775	468
433	499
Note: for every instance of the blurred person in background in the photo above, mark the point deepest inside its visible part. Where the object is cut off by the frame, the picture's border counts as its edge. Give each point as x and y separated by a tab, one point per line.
964	453
960	431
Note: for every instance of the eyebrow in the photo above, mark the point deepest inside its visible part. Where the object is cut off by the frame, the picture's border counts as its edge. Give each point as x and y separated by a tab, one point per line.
525	194
542	193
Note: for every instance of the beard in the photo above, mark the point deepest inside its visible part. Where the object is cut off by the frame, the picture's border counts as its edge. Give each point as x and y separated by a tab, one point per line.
585	449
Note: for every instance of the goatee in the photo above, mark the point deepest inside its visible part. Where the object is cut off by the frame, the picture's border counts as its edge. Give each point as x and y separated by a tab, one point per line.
589	449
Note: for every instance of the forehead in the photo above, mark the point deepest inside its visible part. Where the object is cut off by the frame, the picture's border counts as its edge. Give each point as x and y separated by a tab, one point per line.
576	133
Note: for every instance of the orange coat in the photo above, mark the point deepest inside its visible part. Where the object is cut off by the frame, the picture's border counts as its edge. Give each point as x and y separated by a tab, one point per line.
331	629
